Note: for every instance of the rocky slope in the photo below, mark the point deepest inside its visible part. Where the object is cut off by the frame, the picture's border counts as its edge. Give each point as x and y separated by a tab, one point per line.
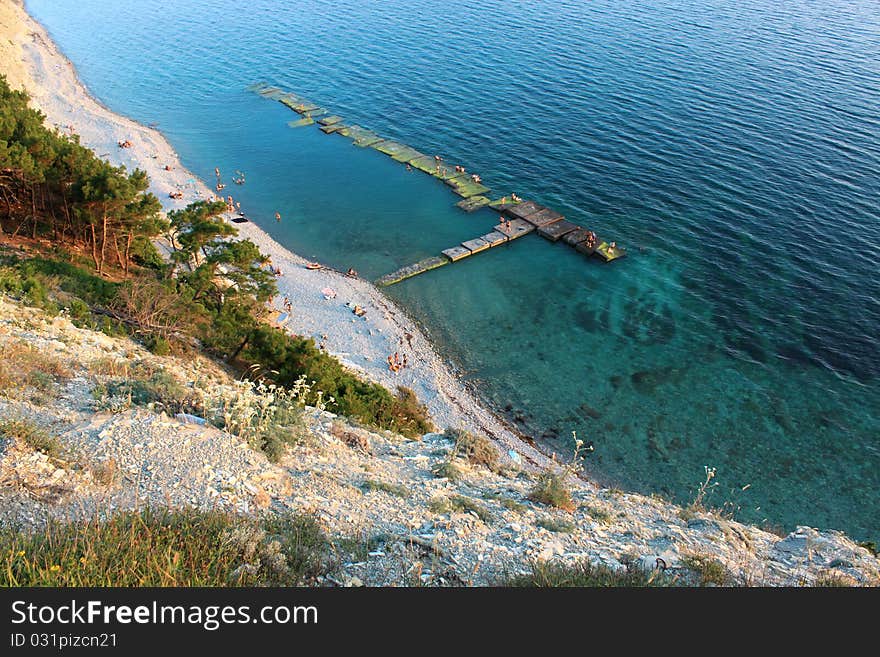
396	511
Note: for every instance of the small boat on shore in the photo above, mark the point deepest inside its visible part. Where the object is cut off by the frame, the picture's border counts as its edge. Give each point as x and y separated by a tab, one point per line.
314	265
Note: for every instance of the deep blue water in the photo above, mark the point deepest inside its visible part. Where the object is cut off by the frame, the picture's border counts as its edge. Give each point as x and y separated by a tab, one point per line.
734	148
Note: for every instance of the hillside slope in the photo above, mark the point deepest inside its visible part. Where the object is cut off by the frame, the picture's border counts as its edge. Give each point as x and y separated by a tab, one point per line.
439	510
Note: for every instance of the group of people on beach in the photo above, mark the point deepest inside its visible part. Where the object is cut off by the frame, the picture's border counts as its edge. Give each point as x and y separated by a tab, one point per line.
231	205
124	144
395	363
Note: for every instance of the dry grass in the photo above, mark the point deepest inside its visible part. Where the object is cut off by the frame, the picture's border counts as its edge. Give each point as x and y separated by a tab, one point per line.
585	574
106	473
710	571
448	469
112	366
476	449
556	525
372	485
31	435
506	502
551	489
23	365
356	441
598	514
834	580
162	548
460	504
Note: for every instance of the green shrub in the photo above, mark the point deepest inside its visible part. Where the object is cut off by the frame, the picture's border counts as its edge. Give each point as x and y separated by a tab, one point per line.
302	542
42	381
288	358
28	288
78	310
72	279
144	253
158	345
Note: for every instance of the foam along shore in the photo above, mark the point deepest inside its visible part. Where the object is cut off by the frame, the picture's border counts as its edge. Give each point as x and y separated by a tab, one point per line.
30	59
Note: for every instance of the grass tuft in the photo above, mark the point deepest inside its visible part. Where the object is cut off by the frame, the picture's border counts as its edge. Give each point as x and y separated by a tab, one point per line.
477	449
833	580
165	548
31	435
23	365
710	570
460	504
556	525
372	485
550	489
585	574
448	469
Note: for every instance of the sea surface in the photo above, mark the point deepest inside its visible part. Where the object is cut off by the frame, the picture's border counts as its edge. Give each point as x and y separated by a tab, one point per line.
732	147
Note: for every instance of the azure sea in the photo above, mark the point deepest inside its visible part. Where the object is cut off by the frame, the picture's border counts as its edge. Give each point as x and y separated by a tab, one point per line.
732	148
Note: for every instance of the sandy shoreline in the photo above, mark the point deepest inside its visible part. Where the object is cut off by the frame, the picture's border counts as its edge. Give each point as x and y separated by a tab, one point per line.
32	60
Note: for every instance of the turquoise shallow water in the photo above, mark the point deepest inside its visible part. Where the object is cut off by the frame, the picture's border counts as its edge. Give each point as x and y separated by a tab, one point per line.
733	147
